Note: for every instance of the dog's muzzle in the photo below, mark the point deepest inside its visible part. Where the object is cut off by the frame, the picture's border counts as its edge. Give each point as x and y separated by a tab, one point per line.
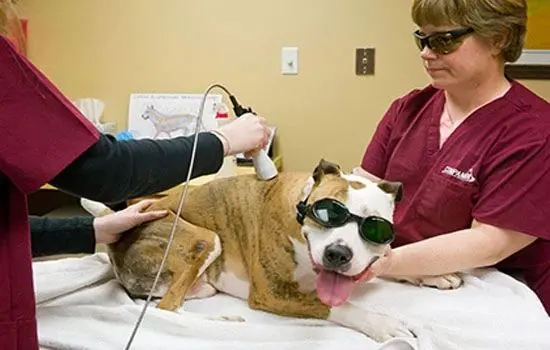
337	257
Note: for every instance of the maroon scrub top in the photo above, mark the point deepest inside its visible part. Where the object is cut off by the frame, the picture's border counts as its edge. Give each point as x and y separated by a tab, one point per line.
495	168
41	132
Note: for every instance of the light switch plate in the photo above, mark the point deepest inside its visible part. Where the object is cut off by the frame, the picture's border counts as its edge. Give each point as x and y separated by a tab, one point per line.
289	60
364	61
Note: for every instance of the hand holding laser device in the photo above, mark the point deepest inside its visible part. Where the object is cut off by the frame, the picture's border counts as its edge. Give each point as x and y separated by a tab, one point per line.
264	166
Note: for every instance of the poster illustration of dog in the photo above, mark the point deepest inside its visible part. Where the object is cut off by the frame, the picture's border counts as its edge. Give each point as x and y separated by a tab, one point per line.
161	116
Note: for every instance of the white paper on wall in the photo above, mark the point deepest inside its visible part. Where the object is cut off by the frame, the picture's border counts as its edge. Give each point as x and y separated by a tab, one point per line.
168	115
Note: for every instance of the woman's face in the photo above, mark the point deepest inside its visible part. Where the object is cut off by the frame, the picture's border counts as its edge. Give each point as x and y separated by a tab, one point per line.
457	57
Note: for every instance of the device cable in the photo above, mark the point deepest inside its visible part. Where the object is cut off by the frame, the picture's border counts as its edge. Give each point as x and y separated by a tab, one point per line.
181	202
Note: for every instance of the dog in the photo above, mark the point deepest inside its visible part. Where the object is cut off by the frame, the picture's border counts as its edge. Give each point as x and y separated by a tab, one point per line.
294	246
169	123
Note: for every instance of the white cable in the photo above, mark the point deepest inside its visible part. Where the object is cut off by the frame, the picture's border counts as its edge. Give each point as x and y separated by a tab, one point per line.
182	200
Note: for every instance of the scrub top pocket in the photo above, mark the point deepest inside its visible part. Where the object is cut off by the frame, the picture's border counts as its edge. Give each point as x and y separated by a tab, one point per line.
446	202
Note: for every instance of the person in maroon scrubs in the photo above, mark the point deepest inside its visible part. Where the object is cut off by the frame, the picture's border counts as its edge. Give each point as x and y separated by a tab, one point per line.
44	138
471	150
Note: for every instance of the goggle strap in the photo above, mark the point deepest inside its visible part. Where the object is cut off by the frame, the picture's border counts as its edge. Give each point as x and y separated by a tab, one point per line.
301	207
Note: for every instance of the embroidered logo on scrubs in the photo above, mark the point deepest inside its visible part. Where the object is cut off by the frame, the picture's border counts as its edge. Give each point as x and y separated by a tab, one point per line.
465	176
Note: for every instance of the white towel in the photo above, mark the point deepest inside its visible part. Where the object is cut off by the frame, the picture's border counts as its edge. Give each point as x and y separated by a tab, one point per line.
81	306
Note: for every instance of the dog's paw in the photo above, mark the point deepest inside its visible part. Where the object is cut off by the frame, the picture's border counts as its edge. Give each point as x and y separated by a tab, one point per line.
229	318
168	304
450	281
386	328
377	326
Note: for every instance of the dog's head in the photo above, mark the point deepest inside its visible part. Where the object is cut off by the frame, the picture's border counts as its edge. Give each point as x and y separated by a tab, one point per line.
148	112
347	223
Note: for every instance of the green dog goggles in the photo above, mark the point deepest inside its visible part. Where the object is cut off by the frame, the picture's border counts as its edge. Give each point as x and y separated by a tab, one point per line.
331	213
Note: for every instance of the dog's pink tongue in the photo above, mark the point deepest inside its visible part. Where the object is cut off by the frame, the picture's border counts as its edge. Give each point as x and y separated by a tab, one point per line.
333	288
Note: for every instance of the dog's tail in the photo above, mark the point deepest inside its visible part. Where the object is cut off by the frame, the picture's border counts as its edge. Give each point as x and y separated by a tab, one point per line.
95	208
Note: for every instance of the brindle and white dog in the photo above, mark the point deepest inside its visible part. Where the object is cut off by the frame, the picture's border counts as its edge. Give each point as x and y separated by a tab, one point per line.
258	240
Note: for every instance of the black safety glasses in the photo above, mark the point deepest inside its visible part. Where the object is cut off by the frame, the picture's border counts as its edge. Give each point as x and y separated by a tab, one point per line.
442	43
330	213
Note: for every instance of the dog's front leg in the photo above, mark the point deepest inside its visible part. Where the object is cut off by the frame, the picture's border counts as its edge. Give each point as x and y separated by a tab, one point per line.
376	326
449	281
292	303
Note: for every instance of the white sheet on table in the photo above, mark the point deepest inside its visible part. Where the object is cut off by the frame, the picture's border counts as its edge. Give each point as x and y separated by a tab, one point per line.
81	306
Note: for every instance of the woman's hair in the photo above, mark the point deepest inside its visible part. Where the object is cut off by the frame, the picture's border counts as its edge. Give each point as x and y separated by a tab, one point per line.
4	17
10	24
8	16
499	22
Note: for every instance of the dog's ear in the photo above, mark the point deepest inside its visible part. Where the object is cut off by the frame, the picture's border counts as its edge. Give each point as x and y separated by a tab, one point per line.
324	167
392	187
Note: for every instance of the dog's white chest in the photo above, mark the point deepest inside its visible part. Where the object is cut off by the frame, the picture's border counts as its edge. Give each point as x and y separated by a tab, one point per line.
303	274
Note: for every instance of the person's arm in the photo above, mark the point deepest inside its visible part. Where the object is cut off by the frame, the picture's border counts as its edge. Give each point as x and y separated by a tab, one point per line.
510	213
48	138
52	236
80	234
481	245
42	131
113	171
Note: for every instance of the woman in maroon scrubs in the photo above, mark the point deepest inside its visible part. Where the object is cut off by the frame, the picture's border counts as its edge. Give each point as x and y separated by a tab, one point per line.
44	138
471	149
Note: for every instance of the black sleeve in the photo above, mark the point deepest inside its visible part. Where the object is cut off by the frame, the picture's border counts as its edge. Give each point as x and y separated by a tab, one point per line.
51	236
113	171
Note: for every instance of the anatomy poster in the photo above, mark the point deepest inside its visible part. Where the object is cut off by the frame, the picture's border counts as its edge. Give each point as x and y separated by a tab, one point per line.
161	116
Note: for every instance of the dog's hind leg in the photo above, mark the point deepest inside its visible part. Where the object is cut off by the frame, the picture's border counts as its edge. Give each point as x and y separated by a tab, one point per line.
138	254
173	299
184	278
195	248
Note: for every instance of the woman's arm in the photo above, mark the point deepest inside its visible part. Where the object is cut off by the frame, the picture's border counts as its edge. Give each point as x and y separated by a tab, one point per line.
52	236
79	235
112	171
479	246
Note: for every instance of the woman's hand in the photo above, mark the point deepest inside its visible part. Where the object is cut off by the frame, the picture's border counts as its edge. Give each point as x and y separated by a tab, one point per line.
379	267
482	245
246	133
109	228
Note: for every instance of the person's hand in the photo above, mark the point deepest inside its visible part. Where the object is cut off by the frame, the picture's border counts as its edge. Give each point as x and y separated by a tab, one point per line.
248	133
363	173
379	267
109	228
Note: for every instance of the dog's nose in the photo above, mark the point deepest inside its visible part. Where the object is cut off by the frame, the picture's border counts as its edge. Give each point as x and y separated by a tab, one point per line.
337	256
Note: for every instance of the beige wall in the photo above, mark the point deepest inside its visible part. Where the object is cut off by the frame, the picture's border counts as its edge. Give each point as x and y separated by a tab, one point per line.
109	49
